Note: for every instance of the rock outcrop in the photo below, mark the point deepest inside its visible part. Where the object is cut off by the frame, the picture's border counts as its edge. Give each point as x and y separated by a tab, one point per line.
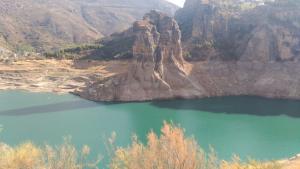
215	31
157	70
230	51
275	34
251	51
207	29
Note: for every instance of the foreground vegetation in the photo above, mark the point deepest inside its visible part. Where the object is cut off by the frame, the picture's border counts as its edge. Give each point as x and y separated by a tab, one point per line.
29	156
170	150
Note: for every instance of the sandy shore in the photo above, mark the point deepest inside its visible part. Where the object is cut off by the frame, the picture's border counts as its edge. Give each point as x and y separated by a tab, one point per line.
292	163
59	76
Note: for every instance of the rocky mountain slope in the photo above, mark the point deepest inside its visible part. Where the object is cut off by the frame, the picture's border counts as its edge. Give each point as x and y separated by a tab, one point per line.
231	51
157	69
49	24
265	33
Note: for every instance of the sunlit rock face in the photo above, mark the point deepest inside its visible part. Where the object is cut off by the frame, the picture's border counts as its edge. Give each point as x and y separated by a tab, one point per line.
157	69
214	50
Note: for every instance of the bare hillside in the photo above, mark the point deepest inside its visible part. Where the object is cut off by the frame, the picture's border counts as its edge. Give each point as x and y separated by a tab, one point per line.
48	24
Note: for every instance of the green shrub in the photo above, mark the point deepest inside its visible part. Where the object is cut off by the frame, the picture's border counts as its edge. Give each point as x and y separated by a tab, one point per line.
72	52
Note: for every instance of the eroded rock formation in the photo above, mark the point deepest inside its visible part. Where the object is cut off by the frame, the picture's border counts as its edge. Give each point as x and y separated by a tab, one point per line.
230	51
218	31
157	70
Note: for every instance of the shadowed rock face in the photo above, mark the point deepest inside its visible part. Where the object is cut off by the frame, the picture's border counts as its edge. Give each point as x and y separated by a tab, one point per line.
250	52
238	52
216	32
275	35
157	70
207	30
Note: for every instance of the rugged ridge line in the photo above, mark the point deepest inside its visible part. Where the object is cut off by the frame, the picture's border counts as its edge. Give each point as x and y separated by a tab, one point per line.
46	25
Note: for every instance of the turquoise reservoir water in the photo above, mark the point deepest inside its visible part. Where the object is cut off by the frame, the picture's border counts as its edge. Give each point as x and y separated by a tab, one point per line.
248	126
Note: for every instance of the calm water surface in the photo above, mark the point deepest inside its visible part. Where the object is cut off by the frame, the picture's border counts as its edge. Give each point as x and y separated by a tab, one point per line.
248	126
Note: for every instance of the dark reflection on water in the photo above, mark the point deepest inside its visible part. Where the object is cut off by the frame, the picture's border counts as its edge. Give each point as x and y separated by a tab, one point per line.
230	104
237	105
50	108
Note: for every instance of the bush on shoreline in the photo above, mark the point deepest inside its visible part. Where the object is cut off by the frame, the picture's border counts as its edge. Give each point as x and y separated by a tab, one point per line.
170	150
29	156
173	150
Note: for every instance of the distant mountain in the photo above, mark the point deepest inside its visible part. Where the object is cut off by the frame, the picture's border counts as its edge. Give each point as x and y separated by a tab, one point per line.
50	24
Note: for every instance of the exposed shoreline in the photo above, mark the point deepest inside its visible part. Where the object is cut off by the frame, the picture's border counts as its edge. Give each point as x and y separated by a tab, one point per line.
68	76
55	76
291	163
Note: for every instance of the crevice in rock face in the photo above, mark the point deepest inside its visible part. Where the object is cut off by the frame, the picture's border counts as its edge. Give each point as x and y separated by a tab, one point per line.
158	62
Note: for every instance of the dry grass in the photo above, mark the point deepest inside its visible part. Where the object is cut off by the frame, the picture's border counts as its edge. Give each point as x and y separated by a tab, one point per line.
170	150
25	156
251	164
29	156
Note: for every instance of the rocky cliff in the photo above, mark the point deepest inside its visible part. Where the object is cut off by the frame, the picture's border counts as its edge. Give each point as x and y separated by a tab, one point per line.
214	31
230	50
157	69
